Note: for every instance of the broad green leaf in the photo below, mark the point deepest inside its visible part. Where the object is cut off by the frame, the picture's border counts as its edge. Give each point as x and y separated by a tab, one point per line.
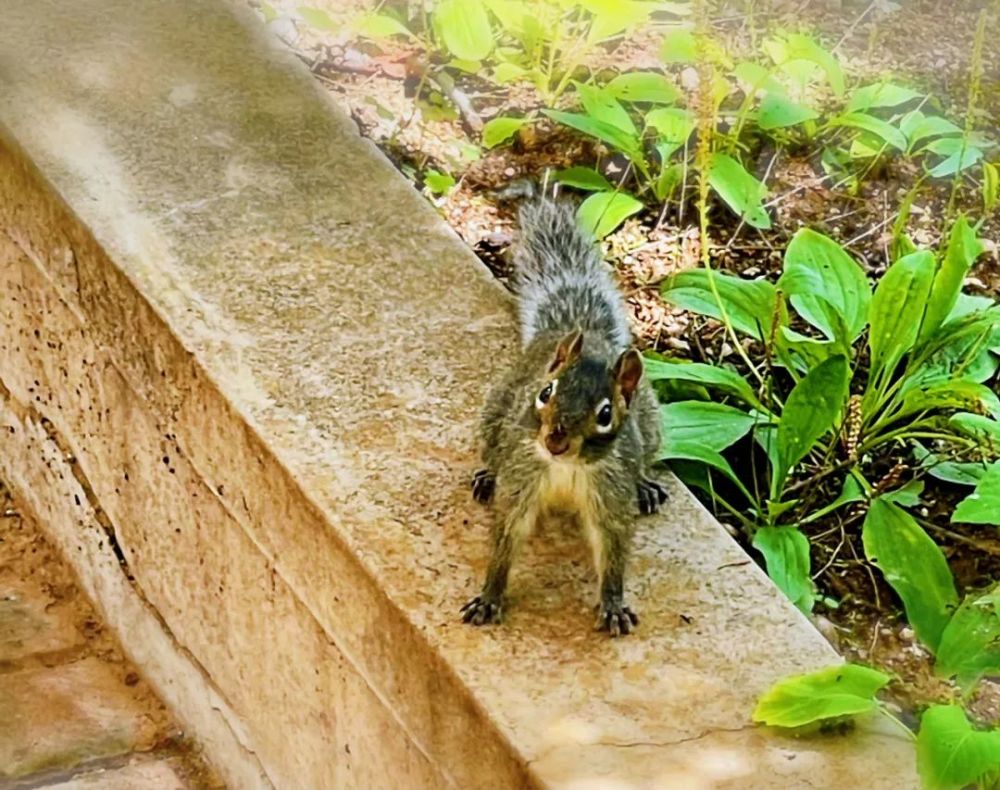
602	212
907	495
750	305
913	566
917	126
318	18
820	278
798	47
672	124
671	175
755	77
584	178
786	553
500	130
956	394
778	111
723	379
897	309
611	17
508	72
982	506
869	123
713	426
951	754
378	26
829	693
465	26
438	183
511	14
964	247
804	352
983	428
991	187
811	410
880	94
967	304
959	154
623	141
970	644
743	193
602	106
679	47
692	462
643	86
965	474
850	492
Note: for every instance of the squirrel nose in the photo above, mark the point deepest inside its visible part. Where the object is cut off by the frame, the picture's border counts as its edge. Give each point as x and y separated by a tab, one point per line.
557	442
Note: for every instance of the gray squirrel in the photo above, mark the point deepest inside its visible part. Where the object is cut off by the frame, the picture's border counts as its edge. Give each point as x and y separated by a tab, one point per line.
573	426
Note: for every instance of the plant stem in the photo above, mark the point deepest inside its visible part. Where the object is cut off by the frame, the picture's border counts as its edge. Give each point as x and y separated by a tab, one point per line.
892	717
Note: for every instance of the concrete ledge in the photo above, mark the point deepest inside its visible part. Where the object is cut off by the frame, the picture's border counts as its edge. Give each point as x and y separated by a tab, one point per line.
240	362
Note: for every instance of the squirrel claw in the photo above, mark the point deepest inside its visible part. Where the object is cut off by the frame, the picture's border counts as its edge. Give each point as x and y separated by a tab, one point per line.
651	495
617	620
479	612
483	484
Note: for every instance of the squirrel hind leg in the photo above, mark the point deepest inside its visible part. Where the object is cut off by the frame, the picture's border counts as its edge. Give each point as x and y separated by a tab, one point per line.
651	495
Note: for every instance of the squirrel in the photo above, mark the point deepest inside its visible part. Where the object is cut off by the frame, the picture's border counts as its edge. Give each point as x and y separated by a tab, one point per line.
573	427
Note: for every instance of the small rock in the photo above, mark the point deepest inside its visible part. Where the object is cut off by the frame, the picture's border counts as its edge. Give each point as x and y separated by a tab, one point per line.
510	171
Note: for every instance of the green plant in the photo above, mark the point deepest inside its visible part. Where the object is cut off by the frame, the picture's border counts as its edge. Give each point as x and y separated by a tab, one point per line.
844	375
952	754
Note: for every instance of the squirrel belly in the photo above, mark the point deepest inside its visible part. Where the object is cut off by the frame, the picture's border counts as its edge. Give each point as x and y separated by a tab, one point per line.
573	427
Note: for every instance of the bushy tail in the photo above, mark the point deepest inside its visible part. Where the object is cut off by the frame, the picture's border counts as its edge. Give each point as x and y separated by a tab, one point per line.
562	282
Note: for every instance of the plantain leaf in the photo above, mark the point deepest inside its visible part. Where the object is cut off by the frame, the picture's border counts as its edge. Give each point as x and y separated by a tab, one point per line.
786	554
811	410
584	178
606	132
750	305
723	379
970	644
602	106
830	693
880	94
743	193
982	506
869	123
602	212
963	249
643	86
822	282
678	47
913	566
951	754
713	426
465	27
897	309
500	130
778	111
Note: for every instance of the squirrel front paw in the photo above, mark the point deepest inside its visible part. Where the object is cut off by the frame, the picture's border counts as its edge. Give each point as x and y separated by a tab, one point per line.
483	484
651	495
617	619
480	611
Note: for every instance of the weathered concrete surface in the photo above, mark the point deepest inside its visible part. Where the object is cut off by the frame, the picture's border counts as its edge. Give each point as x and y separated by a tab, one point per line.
265	353
71	706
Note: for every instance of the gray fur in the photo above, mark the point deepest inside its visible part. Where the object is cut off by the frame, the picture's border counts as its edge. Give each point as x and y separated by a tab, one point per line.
563	286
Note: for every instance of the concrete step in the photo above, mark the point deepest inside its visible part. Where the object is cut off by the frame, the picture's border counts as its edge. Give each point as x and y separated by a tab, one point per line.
265	353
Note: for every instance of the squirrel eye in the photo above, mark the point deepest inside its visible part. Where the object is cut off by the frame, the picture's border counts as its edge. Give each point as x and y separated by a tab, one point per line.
546	394
604	416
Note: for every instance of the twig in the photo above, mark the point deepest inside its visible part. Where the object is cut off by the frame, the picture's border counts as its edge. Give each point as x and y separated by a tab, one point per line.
854	24
871	230
447	85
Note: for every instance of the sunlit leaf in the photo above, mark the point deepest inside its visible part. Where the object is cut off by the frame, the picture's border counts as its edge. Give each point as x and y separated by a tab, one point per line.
602	212
749	304
380	26
880	94
777	111
714	426
743	193
869	123
970	644
465	27
584	178
500	130
643	86
830	693
678	47
951	754
963	248
722	379
602	106
897	309
982	506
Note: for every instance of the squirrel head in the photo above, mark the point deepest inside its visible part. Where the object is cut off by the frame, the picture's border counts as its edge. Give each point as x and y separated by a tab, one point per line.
584	402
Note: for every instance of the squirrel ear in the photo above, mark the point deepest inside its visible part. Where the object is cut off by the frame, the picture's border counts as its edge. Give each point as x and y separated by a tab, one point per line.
568	350
627	373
